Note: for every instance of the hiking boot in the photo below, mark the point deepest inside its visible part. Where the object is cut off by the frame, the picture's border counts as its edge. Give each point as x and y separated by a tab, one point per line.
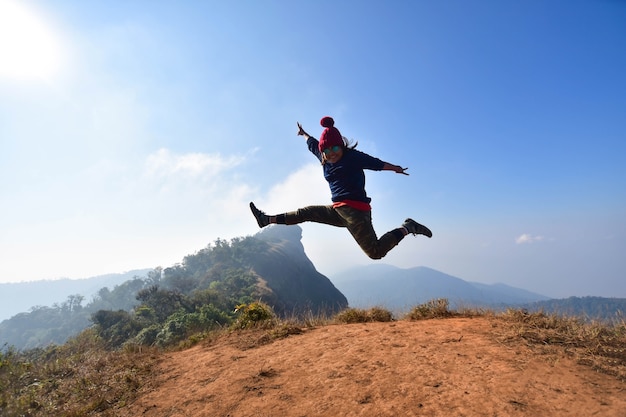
417	229
261	218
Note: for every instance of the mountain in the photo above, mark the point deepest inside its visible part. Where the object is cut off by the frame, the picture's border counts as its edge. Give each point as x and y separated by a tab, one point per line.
611	310
202	290
291	275
20	297
271	267
399	289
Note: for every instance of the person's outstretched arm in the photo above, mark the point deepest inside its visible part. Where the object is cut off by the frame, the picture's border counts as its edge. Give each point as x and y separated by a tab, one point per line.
312	143
395	168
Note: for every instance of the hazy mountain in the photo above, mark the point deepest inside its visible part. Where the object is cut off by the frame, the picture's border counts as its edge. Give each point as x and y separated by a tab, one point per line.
291	275
399	289
611	310
270	266
22	296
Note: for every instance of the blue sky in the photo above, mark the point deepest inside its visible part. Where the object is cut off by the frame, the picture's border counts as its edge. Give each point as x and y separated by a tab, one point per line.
134	133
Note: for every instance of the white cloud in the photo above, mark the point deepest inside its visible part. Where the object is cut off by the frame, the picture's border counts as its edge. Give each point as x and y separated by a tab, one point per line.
302	188
117	216
528	238
201	192
164	163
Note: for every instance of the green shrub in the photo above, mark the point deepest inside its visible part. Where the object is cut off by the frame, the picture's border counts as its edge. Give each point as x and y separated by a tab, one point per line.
211	317
255	314
175	328
148	335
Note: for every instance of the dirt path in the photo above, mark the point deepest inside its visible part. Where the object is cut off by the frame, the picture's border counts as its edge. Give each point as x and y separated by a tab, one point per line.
452	367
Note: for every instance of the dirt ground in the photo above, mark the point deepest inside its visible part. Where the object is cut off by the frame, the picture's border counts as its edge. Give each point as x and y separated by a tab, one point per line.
451	367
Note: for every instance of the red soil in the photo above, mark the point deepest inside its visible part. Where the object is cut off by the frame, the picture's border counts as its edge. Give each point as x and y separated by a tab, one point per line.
451	367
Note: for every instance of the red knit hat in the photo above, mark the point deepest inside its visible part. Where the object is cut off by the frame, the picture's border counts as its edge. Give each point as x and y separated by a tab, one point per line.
330	136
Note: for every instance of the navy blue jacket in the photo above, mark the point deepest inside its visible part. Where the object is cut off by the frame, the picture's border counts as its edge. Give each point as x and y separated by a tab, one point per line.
346	177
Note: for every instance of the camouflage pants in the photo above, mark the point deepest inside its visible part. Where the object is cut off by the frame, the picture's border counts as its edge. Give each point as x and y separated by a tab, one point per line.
358	223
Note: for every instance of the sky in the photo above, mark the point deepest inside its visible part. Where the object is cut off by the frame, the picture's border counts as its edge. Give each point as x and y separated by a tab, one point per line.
134	133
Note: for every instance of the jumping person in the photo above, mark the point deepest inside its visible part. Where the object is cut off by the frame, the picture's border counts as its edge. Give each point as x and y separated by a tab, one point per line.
343	167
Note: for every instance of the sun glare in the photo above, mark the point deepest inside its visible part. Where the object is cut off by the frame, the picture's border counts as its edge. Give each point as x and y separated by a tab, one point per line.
28	48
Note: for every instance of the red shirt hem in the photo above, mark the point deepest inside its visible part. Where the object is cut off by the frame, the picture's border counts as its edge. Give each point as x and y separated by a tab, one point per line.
358	205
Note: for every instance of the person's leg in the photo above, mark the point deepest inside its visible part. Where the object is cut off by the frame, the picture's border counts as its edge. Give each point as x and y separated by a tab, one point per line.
359	224
317	214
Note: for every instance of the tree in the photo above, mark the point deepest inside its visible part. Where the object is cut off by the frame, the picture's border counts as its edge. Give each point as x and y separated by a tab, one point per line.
163	302
115	327
73	303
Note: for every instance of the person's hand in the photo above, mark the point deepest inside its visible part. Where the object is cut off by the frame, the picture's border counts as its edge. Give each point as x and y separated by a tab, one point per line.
395	168
301	131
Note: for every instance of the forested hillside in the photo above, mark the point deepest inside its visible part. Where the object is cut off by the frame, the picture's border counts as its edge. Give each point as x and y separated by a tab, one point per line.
44	325
197	294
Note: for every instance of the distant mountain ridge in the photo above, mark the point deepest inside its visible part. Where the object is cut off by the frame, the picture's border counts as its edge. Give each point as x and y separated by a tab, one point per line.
19	297
397	288
282	275
401	289
589	308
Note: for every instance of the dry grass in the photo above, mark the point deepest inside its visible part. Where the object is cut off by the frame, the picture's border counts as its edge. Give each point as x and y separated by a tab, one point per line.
598	345
357	315
438	308
77	379
82	378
